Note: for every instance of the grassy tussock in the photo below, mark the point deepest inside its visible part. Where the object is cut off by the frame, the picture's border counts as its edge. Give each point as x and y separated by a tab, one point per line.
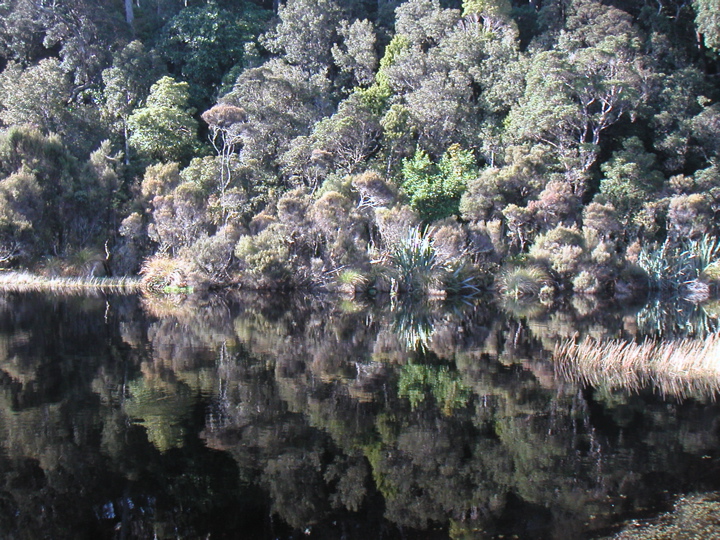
22	282
524	282
681	368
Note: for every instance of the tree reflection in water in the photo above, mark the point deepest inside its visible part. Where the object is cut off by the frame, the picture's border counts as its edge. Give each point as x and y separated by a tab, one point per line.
124	417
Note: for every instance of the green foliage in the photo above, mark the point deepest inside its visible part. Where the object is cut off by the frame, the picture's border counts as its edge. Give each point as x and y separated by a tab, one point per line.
707	19
160	408
202	43
417	381
377	95
435	190
127	83
631	177
164	129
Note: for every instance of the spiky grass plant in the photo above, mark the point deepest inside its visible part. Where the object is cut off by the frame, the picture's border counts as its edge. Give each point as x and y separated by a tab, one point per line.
161	273
459	280
416	267
680	269
680	368
414	260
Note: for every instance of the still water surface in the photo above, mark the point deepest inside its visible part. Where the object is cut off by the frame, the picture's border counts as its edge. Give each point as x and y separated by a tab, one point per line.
292	418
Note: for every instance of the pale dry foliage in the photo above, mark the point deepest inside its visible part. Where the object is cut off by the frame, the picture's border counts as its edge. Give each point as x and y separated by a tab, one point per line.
680	368
24	282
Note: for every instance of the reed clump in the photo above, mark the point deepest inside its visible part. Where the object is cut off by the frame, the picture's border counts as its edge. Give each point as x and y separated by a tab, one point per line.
24	282
679	368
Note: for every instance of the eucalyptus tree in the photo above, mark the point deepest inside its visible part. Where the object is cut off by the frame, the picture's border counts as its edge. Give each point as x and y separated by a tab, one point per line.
203	43
424	22
281	103
21	208
83	35
21	32
35	96
341	144
226	123
63	186
356	55
126	85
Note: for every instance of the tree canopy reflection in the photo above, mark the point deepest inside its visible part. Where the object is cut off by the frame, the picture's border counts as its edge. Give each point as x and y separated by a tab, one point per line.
120	416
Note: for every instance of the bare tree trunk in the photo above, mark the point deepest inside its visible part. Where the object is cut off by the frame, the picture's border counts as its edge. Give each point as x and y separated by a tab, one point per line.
129	14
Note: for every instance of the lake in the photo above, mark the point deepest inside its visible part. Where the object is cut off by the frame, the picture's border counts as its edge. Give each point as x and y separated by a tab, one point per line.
283	417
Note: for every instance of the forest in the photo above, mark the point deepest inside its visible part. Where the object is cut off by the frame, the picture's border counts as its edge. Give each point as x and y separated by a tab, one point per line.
431	146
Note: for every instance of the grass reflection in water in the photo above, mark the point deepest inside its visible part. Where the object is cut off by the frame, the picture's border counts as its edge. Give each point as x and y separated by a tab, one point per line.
688	368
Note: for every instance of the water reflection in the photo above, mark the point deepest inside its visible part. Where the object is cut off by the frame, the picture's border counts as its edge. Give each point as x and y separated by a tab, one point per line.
274	417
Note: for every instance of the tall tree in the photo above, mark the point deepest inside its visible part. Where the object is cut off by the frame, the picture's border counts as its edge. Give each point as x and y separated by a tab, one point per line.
164	129
306	33
126	85
36	96
203	43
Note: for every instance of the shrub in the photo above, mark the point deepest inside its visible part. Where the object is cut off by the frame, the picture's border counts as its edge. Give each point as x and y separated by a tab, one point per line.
631	178
690	215
435	190
587	282
211	256
373	190
266	256
394	223
562	248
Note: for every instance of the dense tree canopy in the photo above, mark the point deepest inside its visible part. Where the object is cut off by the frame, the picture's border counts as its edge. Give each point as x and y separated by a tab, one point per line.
501	121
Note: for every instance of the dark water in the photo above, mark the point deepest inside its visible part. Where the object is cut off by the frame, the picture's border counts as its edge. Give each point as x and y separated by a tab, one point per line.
288	418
